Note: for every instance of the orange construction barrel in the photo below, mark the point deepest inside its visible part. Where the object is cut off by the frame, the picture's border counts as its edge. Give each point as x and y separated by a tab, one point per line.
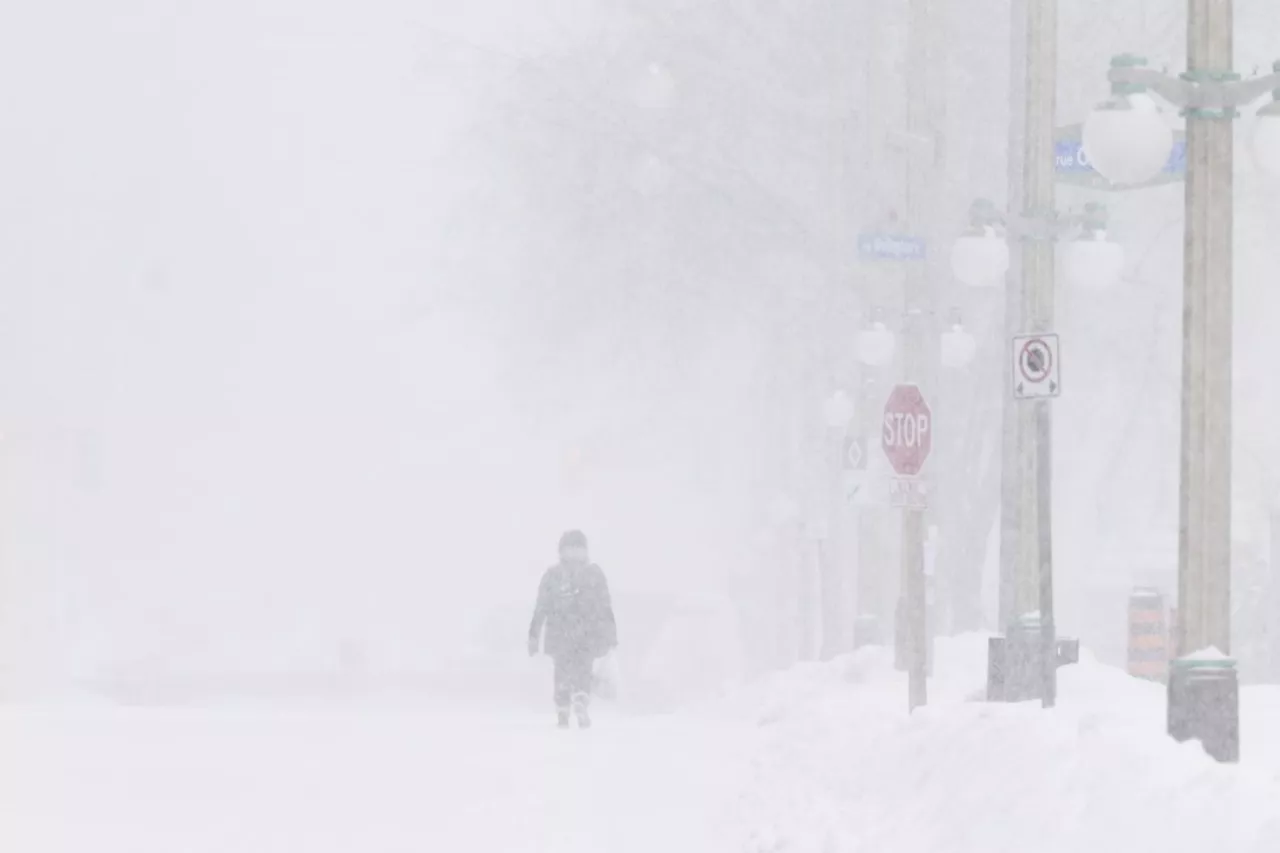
1148	635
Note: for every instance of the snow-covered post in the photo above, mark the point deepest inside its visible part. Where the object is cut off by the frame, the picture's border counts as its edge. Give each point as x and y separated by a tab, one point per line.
1023	664
1204	703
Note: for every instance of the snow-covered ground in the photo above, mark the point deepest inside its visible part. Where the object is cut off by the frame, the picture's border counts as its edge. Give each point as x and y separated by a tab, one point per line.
822	758
358	780
846	769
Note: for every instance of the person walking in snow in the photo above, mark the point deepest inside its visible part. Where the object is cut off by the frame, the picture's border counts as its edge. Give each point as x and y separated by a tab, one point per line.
575	608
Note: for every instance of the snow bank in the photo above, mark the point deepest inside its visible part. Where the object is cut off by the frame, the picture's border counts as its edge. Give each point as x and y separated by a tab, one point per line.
845	768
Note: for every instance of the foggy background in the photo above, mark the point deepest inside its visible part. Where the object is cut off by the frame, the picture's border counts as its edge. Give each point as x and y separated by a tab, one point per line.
320	321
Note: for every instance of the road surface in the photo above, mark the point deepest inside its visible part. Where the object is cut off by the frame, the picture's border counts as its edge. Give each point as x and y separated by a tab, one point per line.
469	780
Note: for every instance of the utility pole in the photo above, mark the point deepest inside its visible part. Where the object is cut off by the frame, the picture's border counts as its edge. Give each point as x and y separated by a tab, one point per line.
1038	277
1013	429
919	324
874	583
1017	465
1204	553
1203	689
1203	683
1026	508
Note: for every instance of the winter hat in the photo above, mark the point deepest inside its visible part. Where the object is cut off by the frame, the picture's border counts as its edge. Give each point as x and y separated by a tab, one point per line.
573	539
573	547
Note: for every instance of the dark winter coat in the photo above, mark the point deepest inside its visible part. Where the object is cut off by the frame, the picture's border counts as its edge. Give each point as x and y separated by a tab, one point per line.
574	604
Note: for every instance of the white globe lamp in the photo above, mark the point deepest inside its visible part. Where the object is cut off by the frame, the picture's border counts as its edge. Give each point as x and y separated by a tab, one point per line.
838	410
980	258
1092	262
1127	139
876	345
958	347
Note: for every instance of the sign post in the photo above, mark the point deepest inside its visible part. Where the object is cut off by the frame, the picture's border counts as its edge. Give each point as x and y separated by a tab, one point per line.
907	438
1036	364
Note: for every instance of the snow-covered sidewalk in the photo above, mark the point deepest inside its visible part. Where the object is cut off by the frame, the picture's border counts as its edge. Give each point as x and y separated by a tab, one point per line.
845	768
363	781
820	759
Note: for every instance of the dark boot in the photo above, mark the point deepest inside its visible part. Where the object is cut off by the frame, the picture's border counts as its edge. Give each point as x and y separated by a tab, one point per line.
580	710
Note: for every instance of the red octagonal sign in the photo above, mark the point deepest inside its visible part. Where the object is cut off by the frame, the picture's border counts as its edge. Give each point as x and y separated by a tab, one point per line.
907	436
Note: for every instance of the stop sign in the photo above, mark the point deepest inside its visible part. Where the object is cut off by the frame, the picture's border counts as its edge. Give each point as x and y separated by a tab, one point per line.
907	436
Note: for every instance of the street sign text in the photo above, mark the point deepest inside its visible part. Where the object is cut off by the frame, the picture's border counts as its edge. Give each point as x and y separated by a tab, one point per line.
907	434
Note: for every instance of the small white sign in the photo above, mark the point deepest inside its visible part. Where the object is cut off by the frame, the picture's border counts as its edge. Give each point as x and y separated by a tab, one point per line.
855	454
1037	367
909	493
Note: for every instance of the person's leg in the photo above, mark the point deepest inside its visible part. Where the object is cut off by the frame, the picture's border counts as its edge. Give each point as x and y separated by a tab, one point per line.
563	688
580	687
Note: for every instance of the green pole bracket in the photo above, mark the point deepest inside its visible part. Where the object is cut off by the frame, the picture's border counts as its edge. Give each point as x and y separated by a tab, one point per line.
1128	60
984	214
1218	79
1039	225
1095	217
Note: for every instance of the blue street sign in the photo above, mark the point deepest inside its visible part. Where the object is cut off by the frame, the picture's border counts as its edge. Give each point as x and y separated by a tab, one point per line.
892	247
1069	158
1177	164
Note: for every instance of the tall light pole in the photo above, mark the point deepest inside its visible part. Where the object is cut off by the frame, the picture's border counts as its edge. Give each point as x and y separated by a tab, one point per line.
1127	141
1038	309
1025	661
1027	658
1204	552
1013	428
1025	504
917	358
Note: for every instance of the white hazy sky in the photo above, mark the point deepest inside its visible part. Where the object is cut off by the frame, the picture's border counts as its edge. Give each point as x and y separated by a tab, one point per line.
270	374
239	420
